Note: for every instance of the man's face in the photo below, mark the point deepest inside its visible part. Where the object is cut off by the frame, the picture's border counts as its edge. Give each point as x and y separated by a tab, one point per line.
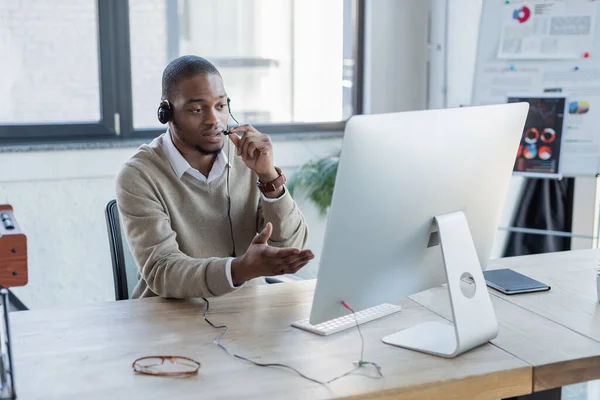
200	113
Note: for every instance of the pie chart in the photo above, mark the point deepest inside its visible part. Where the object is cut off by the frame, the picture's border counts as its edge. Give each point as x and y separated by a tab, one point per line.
579	107
548	136
522	14
545	153
531	135
530	152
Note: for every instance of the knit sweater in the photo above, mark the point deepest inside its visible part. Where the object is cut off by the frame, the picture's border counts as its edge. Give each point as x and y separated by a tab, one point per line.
178	229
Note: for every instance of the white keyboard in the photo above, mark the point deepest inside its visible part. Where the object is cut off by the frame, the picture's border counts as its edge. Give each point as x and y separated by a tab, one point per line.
347	321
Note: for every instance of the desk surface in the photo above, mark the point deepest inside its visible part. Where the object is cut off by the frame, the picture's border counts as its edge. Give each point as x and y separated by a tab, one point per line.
559	354
87	351
571	303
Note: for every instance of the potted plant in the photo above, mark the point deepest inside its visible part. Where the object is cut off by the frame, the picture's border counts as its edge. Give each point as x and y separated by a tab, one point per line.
315	180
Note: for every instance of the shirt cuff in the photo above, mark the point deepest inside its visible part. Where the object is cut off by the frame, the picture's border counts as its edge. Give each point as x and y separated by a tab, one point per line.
271	200
228	274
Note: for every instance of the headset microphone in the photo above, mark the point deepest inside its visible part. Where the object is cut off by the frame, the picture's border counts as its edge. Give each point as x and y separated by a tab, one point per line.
227	131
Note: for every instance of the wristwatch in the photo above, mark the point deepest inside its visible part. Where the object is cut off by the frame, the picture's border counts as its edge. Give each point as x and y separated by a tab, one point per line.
274	184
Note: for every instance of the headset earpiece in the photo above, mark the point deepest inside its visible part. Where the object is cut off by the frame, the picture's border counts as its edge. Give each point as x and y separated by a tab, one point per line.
164	112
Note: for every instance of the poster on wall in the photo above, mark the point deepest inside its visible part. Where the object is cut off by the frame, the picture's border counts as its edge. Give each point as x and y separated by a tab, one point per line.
547	29
581	142
539	153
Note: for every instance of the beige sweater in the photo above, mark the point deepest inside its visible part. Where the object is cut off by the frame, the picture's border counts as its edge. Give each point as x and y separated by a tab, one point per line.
178	230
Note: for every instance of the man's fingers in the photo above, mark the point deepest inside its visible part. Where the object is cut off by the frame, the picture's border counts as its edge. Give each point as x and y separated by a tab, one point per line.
244	145
304	259
298	268
297	264
292	262
240	145
286	252
263	145
289	257
251	150
250	142
264	235
307	253
292	269
287	262
292	265
247	132
235	139
243	128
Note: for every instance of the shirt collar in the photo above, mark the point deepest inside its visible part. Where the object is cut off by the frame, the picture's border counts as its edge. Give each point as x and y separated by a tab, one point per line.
181	166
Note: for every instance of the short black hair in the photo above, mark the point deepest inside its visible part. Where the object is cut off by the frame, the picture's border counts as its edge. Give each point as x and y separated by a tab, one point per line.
182	68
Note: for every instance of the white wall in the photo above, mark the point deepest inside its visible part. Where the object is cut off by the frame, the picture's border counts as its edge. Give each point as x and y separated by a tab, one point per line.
463	29
396	55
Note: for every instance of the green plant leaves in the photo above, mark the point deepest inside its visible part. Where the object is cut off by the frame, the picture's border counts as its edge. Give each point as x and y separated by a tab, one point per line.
316	180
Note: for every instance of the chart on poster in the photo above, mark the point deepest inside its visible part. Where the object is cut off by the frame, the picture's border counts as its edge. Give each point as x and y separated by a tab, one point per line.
542	47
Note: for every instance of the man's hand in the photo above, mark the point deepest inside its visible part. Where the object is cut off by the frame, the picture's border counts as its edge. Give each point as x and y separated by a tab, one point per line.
256	150
264	260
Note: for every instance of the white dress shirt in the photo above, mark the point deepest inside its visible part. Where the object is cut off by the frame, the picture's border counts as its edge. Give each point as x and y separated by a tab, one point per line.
181	166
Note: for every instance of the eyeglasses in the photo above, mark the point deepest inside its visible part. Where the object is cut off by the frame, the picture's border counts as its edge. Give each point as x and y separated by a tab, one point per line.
156	365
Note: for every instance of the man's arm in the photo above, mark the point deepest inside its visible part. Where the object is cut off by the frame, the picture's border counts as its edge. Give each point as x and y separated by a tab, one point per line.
289	225
256	150
167	271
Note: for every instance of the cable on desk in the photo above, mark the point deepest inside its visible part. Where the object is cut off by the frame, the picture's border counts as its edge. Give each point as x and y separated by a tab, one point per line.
359	364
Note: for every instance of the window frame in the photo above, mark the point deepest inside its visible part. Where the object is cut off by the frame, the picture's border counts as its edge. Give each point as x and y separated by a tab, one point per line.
103	129
115	78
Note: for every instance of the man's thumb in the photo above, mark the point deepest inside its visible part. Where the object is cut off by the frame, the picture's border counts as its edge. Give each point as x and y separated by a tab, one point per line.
264	235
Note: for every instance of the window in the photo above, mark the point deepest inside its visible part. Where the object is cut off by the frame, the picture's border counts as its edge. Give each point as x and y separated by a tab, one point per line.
81	68
37	41
51	71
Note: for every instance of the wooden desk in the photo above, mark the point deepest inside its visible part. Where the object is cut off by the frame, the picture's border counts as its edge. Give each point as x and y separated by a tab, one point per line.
546	340
571	303
558	355
86	352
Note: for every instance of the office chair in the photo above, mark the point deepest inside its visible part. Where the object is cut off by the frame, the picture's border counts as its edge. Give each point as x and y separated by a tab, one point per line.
125	270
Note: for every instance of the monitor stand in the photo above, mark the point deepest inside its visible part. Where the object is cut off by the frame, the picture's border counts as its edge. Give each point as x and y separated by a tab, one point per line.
474	317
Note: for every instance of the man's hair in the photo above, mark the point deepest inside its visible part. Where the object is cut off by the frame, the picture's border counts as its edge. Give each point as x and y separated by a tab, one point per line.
182	68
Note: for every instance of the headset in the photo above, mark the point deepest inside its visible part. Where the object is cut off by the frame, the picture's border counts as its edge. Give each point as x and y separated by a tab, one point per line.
165	114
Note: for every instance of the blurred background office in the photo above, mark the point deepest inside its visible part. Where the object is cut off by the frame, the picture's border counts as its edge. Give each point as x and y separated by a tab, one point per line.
80	84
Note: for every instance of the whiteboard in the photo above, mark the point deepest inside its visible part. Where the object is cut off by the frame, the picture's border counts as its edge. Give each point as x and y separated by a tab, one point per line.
575	70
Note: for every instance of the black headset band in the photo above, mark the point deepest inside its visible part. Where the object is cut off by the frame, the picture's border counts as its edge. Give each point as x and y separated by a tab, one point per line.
164	112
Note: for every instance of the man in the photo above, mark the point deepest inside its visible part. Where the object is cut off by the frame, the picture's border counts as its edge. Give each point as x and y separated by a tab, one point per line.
192	201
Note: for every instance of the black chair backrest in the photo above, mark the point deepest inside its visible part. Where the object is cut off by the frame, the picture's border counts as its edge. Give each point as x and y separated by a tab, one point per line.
125	271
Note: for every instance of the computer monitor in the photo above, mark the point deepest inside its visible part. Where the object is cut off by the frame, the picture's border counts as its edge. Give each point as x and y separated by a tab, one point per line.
397	173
